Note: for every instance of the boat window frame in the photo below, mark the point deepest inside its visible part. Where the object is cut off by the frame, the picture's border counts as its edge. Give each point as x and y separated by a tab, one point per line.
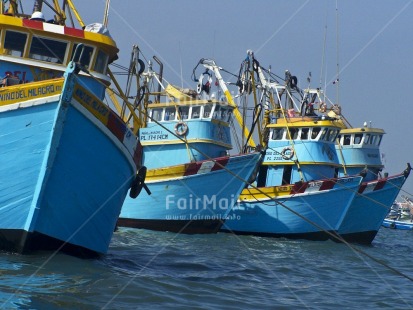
323	133
223	113
52	49
164	114
154	119
317	135
301	134
356	136
280	131
217	111
294	133
366	139
101	66
92	55
211	106
3	41
199	112
379	140
182	116
345	136
230	111
333	134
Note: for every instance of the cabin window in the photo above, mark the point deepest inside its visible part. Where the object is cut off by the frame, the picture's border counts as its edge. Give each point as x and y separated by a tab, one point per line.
101	62
217	112
323	133
170	114
277	134
157	115
327	135
357	138
207	111
379	140
184	112
333	135
347	140
86	55
304	133
293	133
47	50
373	139
14	43
367	139
315	132
229	116
224	114
196	112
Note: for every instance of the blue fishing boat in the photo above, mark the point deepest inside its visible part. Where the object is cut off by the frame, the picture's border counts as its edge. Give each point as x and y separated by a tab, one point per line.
359	150
186	139
297	193
68	160
400	215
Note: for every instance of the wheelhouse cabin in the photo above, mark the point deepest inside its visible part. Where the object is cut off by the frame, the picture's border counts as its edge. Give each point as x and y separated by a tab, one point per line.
172	126
359	149
33	50
300	149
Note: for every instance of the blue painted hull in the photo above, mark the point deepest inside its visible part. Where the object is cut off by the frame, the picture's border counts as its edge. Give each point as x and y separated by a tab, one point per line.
394	224
368	210
63	179
197	203
318	211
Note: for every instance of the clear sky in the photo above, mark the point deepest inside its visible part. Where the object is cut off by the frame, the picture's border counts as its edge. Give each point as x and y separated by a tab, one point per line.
370	46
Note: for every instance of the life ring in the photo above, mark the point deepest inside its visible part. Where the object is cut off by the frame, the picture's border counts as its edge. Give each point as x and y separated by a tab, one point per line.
181	128
284	154
322	108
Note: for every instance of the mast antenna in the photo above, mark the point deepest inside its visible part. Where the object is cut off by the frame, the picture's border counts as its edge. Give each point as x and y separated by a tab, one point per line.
106	15
337	81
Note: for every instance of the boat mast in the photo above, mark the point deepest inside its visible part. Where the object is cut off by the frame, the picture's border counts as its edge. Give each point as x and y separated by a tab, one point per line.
106	14
72	7
38	5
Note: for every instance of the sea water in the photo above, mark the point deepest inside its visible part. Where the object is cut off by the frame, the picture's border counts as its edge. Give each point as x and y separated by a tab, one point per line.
156	270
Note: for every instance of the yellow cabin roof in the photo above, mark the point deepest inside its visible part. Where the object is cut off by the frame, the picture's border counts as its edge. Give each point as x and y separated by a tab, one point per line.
362	130
60	32
305	122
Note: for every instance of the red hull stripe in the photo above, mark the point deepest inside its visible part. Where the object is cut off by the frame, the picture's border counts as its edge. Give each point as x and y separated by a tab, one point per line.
329	184
299	187
380	184
38	25
219	163
205	166
362	188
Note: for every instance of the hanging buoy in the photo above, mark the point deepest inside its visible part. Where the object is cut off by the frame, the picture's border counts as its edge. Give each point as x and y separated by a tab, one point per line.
141	66
138	183
181	128
255	65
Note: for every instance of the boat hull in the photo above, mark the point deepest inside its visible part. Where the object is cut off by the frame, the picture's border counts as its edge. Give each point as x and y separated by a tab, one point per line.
369	208
197	202
395	224
308	215
65	172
